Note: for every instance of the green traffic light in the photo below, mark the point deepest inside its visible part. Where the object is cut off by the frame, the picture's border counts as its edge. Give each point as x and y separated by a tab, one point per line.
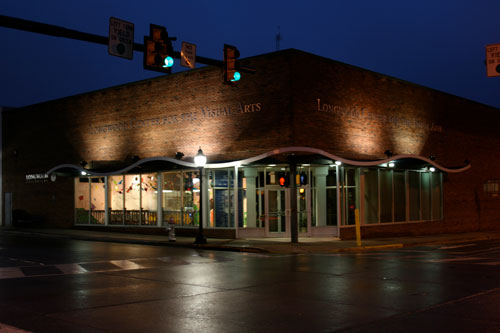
169	62
236	76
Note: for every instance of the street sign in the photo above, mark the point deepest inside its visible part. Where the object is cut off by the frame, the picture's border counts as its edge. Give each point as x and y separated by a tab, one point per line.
493	60
121	38
188	55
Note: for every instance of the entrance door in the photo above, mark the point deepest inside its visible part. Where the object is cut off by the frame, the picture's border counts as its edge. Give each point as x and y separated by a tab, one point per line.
277	211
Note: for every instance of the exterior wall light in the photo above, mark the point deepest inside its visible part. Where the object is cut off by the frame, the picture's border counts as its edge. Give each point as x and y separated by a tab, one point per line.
83	173
432	169
200	159
338	163
391	164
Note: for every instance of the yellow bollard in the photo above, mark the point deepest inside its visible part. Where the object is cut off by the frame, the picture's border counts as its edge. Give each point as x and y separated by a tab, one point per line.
358	227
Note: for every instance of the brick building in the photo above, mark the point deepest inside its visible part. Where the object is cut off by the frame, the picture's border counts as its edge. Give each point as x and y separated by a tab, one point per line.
409	159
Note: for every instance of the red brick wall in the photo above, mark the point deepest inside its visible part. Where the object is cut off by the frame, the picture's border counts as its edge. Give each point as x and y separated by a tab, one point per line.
360	114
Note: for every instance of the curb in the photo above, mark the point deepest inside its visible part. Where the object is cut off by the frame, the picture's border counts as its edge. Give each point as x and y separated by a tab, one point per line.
368	247
138	241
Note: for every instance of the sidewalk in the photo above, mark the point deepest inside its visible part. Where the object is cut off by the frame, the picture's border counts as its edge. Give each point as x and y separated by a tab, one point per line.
258	245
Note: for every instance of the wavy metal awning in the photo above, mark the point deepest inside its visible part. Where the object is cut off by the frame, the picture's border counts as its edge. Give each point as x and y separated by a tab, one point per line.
74	170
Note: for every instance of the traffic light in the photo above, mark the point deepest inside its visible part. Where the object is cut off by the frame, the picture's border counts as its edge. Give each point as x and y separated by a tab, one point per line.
158	50
231	66
283	179
302	177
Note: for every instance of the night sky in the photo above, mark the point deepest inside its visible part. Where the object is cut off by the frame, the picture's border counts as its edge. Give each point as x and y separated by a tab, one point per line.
435	43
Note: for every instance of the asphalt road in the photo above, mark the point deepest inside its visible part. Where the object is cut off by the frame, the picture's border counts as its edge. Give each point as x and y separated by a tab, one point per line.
61	285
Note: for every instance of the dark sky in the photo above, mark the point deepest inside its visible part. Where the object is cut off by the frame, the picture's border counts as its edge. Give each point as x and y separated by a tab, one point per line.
435	43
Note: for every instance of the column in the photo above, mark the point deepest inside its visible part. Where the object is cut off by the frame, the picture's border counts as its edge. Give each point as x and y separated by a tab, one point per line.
320	174
205	198
251	177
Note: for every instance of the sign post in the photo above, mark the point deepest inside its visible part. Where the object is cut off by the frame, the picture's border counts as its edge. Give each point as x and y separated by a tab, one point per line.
121	38
493	60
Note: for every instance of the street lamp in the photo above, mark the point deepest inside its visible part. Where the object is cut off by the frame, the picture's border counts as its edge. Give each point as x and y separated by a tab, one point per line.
200	160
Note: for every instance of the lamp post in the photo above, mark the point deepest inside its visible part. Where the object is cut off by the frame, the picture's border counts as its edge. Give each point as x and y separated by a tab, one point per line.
200	160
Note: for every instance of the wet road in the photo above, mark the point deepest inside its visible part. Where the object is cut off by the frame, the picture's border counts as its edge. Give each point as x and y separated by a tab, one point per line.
49	285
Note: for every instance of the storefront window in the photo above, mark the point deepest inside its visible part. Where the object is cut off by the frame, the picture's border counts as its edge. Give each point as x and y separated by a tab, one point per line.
82	203
132	199
149	199
221	198
425	195
436	196
385	179
191	198
399	196
116	199
260	197
414	193
171	202
242	199
424	190
371	196
97	200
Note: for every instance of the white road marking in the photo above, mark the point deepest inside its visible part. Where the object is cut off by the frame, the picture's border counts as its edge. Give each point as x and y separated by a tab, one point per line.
77	268
126	264
71	269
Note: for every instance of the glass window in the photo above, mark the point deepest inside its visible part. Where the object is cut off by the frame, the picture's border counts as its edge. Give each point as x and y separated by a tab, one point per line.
371	196
242	199
425	192
191	198
351	194
221	198
414	193
116	199
171	198
436	196
385	195
260	197
82	203
132	199
399	196
149	199
98	197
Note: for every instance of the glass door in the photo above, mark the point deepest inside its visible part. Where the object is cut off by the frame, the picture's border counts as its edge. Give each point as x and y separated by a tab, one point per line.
304	210
277	211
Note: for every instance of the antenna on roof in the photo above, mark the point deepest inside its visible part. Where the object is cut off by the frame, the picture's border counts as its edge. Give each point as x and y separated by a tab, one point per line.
278	38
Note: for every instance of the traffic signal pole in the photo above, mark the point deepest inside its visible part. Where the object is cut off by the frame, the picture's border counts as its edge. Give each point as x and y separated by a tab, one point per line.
56	31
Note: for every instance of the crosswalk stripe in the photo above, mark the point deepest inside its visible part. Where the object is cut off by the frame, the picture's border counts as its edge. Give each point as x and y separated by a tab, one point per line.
92	267
71	269
126	264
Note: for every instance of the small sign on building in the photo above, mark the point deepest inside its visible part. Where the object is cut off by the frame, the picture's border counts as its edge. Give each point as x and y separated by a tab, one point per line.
493	60
188	55
121	38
